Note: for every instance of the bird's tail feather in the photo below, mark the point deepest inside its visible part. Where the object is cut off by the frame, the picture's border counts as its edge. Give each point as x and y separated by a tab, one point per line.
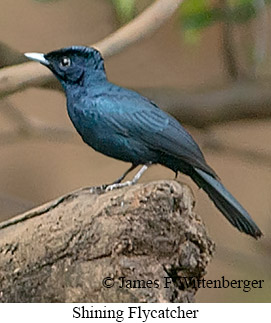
226	203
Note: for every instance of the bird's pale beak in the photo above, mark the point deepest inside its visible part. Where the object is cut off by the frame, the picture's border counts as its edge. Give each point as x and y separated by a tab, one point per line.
38	57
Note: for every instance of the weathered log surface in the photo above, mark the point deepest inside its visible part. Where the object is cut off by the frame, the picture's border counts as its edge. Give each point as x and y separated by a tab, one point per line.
62	251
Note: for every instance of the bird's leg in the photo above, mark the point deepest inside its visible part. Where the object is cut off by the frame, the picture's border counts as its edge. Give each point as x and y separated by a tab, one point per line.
124	175
176	174
139	174
129	183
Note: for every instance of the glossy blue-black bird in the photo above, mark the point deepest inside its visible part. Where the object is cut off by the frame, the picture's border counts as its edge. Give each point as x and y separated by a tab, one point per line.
122	124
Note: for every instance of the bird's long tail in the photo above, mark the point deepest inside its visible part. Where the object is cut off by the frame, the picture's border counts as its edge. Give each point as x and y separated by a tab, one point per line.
226	203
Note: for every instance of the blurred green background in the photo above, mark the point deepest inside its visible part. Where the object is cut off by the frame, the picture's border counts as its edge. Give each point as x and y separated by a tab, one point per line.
187	53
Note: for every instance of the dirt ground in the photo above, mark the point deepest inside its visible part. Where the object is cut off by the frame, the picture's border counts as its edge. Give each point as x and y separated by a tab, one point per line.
32	172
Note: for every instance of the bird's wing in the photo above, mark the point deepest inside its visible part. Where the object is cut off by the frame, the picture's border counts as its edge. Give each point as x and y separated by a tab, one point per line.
167	135
141	119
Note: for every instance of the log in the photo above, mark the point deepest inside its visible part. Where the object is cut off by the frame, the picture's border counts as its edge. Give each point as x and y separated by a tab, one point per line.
63	250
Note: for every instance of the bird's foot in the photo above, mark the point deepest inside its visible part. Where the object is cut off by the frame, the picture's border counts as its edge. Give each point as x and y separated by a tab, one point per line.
114	186
137	176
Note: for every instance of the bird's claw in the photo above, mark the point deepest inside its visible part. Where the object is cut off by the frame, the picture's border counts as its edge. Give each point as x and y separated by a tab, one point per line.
112	187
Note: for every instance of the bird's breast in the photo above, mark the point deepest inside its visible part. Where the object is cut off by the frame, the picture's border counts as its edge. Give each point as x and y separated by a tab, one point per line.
85	121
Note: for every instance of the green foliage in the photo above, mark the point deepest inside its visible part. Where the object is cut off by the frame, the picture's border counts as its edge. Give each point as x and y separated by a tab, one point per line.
125	9
195	15
46	0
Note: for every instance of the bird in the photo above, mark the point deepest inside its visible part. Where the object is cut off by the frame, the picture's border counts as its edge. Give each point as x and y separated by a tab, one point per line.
121	123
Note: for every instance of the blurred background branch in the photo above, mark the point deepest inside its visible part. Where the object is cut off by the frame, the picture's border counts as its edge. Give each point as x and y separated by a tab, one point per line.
241	99
207	62
28	74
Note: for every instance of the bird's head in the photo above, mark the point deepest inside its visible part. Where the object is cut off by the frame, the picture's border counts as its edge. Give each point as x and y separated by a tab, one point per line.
73	65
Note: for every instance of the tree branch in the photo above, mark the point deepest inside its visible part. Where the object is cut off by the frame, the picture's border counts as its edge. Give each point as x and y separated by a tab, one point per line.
241	100
28	74
228	49
62	251
258	157
10	56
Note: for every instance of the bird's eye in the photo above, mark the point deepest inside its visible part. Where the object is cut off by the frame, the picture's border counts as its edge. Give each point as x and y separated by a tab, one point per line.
65	62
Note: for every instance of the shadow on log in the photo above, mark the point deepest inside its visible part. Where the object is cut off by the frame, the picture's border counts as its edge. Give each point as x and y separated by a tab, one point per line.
62	251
